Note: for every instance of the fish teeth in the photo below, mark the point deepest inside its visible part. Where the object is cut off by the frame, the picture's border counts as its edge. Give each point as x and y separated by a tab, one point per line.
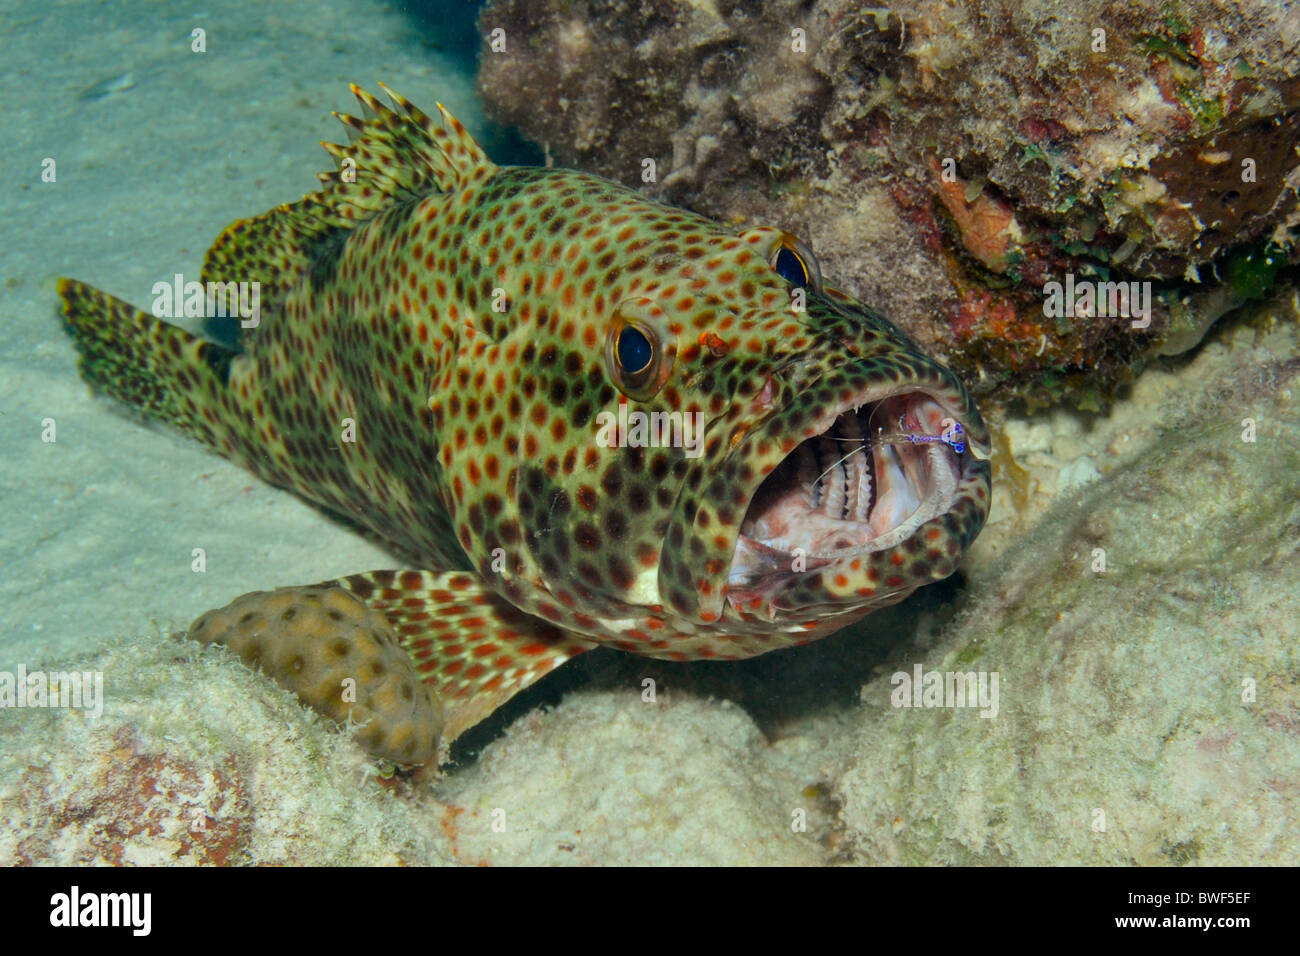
851	432
819	483
866	491
836	481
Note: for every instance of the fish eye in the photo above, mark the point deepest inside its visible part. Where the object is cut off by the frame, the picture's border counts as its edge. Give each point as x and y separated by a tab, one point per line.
789	266
633	350
640	349
795	263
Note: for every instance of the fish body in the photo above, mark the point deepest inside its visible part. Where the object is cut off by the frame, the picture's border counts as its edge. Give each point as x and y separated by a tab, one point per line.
582	416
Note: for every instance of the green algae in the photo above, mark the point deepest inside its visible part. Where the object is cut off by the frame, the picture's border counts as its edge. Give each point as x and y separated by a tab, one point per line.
1251	271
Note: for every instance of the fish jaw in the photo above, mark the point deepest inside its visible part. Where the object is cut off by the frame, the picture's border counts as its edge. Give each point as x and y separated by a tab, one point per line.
840	497
848	521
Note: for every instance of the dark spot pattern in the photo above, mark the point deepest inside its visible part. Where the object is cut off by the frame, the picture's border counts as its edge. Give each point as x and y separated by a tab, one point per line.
438	375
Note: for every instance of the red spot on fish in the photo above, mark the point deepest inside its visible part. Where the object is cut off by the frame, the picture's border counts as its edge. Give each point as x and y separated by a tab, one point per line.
714	343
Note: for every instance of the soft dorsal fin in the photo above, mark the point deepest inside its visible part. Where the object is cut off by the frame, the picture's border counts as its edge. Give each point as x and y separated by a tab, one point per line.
395	155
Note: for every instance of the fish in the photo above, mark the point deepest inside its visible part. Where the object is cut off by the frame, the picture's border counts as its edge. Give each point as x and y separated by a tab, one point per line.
576	416
110	86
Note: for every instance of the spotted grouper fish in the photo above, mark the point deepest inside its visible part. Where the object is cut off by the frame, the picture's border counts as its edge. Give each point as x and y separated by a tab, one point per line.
583	418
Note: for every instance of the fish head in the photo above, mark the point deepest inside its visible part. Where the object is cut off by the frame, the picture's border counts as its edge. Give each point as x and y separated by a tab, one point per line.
844	469
710	441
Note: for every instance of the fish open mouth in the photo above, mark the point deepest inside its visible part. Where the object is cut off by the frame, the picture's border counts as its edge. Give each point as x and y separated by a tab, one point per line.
866	483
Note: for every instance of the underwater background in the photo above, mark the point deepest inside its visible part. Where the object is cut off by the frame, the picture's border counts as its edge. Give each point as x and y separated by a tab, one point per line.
1136	590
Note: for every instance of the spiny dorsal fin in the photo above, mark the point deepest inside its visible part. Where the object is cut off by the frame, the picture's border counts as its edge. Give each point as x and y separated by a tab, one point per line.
395	155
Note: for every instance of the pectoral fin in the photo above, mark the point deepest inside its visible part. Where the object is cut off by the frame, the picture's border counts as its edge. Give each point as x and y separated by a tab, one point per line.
472	646
412	656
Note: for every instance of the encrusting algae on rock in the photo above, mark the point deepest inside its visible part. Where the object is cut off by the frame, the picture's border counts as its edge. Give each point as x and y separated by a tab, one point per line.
979	150
441	346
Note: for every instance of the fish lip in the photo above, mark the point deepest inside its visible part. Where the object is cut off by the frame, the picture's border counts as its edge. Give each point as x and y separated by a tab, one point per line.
760	569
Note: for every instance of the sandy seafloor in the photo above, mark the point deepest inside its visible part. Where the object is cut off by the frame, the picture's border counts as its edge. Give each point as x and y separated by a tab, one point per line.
1121	697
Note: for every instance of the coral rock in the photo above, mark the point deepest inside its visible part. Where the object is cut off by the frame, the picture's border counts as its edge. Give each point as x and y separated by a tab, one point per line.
936	155
128	805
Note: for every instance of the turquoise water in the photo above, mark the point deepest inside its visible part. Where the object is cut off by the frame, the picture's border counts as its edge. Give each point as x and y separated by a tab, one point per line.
155	149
